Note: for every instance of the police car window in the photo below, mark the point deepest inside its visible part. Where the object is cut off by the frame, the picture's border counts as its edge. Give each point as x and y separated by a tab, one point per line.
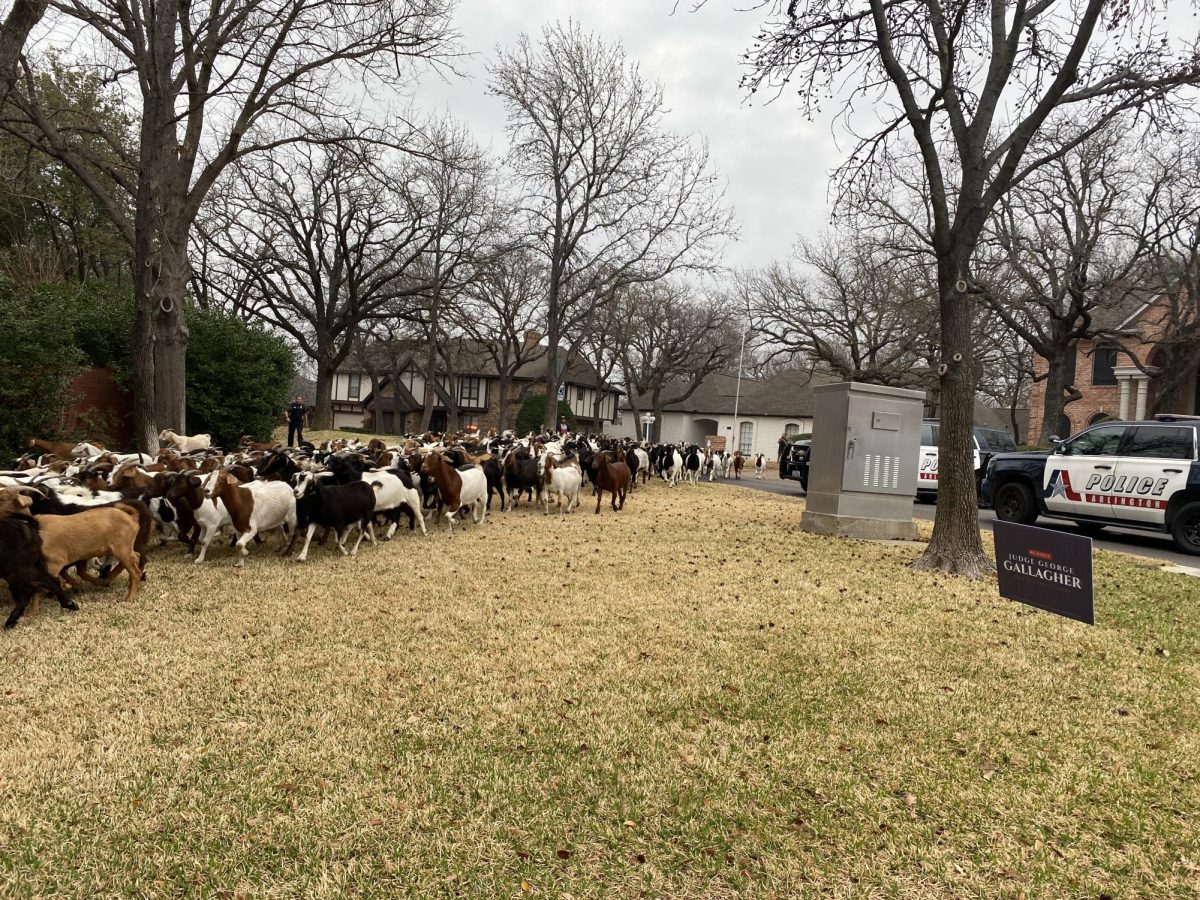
1102	441
1159	441
929	435
996	441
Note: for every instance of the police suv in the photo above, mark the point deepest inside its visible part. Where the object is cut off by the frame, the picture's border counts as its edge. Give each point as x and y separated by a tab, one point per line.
988	442
1132	474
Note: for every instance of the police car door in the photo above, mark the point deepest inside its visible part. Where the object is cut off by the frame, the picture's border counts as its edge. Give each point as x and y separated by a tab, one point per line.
1075	470
1154	463
927	473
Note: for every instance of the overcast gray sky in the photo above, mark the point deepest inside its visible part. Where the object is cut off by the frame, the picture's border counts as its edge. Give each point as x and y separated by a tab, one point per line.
776	163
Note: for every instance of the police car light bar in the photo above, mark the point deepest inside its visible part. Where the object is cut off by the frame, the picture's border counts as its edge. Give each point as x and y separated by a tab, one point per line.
1176	417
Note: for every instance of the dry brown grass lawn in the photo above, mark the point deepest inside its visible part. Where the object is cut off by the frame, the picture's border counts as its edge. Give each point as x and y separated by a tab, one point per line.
690	698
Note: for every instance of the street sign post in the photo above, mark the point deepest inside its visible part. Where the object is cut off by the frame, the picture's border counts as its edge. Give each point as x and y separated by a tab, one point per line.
1047	569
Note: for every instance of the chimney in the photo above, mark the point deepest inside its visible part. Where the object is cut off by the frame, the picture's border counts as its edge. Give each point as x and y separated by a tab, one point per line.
532	338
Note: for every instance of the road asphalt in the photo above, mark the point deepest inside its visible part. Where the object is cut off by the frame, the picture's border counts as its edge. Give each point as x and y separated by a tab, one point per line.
1122	540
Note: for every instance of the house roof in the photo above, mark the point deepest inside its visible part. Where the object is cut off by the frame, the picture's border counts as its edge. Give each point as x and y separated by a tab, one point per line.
473	360
786	395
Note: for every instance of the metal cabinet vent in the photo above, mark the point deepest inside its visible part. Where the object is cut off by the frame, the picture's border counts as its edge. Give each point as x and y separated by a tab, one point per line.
881	471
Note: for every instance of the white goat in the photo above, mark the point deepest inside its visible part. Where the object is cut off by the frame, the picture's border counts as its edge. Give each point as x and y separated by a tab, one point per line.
565	481
211	516
390	494
183	443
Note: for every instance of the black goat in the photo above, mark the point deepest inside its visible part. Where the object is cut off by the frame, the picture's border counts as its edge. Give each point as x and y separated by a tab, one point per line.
24	567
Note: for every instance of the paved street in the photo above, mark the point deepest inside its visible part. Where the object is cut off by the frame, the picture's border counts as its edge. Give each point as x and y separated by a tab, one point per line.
1125	540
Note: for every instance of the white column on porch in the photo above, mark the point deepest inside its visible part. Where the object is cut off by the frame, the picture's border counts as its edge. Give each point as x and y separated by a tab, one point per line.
1143	393
1127	377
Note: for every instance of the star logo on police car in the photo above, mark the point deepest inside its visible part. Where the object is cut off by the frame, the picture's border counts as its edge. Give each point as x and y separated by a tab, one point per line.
1060	486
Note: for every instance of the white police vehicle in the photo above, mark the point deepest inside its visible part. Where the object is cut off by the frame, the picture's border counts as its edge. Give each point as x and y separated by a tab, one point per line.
1132	474
988	442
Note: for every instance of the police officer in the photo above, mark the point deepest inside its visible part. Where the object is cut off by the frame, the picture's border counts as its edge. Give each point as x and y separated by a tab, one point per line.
297	420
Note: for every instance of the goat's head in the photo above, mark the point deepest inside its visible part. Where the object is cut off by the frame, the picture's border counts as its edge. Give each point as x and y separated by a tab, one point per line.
12	502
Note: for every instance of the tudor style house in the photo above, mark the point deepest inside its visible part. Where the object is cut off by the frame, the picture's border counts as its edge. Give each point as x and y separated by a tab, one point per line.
475	385
1112	383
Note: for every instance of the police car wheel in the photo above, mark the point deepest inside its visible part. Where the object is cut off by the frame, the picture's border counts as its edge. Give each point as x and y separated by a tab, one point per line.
1014	503
1185	529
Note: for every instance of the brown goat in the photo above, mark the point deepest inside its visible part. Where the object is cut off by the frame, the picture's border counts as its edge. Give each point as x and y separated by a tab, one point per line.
105	531
613	477
58	448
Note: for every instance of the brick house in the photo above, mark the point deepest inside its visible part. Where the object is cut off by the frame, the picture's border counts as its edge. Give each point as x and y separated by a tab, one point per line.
475	385
1113	384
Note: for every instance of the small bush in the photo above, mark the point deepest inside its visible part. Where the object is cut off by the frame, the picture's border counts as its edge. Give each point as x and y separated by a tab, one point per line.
533	408
38	359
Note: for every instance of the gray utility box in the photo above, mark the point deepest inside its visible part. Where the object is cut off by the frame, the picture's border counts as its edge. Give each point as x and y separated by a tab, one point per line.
862	471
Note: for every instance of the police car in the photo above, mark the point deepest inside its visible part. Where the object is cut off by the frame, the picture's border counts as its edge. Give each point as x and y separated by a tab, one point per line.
988	442
1132	474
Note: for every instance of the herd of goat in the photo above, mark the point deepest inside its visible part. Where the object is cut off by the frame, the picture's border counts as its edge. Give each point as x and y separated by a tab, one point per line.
64	505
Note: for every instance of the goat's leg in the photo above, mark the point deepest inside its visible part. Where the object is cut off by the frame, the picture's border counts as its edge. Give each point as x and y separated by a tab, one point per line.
205	540
243	550
308	540
21	595
420	518
129	562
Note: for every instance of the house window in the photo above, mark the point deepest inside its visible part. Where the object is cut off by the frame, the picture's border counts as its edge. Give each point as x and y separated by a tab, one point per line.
791	428
470	423
470	391
1103	367
746	438
354	389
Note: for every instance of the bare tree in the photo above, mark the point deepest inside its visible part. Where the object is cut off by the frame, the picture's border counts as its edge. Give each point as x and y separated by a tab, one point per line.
672	343
503	311
1007	373
847	305
1171	195
601	344
317	240
215	83
1061	250
970	86
466	220
612	199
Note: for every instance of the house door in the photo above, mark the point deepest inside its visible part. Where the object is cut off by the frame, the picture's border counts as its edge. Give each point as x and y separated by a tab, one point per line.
437	422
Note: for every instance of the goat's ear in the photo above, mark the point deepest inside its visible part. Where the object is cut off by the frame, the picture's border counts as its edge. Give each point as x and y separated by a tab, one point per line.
194	480
23	501
230	479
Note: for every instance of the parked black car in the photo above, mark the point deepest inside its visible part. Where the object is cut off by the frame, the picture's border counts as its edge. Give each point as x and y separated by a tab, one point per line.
794	463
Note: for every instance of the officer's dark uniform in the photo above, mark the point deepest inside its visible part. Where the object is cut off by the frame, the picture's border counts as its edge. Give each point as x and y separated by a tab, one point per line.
296	423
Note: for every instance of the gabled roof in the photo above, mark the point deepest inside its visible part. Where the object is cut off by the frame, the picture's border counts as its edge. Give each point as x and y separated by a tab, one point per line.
474	361
785	395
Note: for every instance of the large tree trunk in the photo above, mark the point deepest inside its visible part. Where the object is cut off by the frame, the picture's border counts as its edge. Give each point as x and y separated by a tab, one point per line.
21	20
322	409
550	414
956	547
162	272
1056	395
430	392
397	412
505	391
376	403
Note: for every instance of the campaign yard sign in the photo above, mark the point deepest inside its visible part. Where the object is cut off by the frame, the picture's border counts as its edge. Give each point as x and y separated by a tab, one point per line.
1047	569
